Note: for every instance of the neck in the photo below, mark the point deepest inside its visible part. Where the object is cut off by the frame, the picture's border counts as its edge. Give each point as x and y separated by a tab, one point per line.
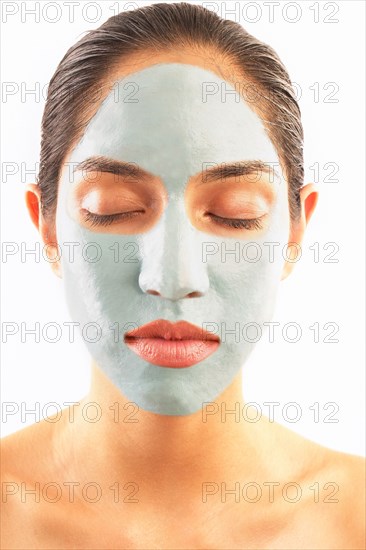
127	443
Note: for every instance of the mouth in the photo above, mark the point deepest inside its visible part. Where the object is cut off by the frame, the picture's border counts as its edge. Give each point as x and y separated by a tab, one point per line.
175	345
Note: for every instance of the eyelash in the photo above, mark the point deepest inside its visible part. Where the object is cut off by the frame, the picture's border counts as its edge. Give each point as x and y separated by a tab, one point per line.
107	219
235	223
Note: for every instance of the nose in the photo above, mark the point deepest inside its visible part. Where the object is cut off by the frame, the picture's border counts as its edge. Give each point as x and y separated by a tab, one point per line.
172	265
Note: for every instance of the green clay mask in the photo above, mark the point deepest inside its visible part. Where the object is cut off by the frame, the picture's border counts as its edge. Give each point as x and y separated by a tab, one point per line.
171	259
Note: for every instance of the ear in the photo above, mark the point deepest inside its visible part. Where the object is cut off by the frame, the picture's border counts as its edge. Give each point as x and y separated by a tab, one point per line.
46	228
309	198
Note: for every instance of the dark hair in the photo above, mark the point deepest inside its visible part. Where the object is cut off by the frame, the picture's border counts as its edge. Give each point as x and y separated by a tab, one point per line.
158	27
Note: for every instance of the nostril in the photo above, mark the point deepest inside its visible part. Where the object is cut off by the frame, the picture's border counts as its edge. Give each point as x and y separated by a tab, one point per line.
195	294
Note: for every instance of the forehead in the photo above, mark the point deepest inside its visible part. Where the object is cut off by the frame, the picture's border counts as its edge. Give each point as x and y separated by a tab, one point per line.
172	118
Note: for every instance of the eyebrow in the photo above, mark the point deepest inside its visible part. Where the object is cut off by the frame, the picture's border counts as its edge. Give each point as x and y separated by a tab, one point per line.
215	173
237	169
111	166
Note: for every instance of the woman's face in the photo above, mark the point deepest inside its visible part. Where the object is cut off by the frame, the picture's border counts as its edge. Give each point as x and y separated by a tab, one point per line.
170	162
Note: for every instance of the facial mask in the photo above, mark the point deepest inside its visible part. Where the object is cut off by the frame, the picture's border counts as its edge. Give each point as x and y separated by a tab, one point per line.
170	131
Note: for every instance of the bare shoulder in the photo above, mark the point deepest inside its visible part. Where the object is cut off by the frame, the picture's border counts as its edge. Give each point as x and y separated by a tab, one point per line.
13	449
350	472
25	458
332	488
15	452
345	471
22	450
342	494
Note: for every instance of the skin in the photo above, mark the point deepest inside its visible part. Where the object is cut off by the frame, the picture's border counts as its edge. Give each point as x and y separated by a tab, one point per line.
170	457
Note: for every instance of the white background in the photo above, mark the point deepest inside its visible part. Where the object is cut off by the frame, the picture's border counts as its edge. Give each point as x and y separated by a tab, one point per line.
315	53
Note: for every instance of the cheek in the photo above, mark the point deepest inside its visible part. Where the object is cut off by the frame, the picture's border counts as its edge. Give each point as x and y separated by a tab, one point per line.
100	273
245	274
244	281
99	269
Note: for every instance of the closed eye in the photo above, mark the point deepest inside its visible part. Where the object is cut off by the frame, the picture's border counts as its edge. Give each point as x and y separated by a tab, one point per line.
107	219
237	223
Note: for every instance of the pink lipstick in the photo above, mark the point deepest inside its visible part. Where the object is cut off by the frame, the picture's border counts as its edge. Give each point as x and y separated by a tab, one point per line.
175	345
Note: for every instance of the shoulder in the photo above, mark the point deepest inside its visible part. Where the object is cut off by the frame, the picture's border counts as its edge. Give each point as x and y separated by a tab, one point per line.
18	452
344	472
26	452
15	455
349	471
26	459
332	488
340	483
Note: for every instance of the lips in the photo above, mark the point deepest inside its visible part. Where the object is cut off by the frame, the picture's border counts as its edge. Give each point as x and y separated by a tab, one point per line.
175	345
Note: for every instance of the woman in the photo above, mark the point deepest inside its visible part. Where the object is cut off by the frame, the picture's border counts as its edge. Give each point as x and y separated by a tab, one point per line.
171	176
